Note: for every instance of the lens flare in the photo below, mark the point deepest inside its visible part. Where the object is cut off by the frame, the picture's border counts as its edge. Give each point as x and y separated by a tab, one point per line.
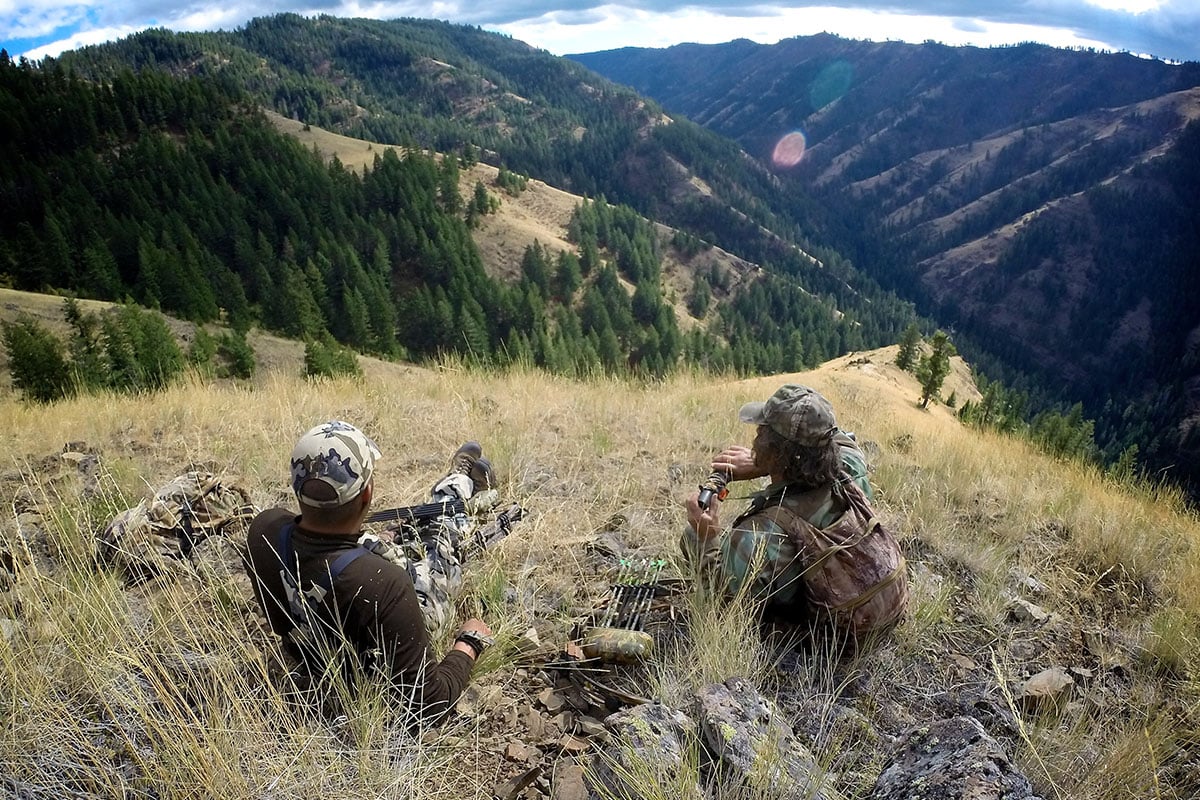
830	84
789	150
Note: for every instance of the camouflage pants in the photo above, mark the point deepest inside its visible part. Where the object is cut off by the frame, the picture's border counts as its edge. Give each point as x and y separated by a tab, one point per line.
432	554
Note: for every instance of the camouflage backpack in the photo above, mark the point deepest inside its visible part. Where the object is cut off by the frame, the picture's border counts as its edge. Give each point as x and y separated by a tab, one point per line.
159	534
854	571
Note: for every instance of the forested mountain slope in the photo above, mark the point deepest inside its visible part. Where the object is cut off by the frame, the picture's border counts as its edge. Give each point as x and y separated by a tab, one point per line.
435	86
1041	201
458	89
901	181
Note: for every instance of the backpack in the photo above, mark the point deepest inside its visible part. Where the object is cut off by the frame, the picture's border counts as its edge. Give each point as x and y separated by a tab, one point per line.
302	603
158	535
854	573
315	633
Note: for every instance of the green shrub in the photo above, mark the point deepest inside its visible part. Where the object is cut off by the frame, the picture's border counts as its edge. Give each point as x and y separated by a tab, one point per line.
142	352
36	360
238	356
202	351
325	358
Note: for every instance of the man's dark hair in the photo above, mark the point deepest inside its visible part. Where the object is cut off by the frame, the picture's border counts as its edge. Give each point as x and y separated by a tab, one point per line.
808	467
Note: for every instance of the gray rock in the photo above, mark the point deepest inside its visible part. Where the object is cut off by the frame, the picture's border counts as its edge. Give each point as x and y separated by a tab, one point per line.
754	746
552	700
1022	610
590	726
952	759
651	737
1032	585
569	783
655	728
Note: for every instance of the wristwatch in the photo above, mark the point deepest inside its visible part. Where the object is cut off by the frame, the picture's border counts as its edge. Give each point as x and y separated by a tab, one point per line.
477	641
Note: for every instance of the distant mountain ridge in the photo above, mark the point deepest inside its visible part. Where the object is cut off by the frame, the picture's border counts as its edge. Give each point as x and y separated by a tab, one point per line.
1036	199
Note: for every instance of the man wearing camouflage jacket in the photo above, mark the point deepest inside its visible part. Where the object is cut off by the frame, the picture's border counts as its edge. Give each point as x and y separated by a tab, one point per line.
809	548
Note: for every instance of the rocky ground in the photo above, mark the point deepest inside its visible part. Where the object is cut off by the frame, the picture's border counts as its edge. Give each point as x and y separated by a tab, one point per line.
939	717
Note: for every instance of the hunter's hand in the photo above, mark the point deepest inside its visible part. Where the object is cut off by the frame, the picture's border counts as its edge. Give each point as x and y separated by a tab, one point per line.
738	461
705	522
475	625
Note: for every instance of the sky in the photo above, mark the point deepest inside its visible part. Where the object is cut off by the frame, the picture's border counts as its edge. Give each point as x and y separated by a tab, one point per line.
1167	29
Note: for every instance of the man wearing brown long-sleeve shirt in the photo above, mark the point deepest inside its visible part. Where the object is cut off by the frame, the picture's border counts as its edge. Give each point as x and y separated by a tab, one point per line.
336	597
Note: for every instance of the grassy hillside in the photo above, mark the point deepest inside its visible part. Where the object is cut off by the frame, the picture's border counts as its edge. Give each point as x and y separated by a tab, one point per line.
172	688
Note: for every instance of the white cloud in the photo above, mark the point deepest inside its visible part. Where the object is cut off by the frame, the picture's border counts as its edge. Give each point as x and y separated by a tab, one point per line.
80	39
1169	28
1132	6
620	27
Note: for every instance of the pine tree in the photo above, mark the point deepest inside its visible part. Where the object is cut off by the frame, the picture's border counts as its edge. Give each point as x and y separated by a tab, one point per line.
325	358
909	343
36	360
699	298
535	268
568	277
154	348
202	352
237	354
87	353
933	368
123	372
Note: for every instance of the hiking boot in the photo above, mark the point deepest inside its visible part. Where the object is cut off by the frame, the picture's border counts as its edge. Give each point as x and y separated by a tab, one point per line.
469	460
465	458
482	475
470	473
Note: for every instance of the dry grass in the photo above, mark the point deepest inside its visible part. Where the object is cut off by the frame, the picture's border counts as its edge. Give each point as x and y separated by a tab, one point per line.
170	688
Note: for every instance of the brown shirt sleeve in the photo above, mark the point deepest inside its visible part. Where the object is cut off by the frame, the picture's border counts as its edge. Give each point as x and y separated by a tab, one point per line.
383	613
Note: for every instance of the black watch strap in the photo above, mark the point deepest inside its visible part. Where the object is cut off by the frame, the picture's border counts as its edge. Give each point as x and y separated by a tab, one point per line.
477	641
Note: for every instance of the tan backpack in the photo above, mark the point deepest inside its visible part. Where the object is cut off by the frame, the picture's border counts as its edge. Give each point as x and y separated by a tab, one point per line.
854	572
157	536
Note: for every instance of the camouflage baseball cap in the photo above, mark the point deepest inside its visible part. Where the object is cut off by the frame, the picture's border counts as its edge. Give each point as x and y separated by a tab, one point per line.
331	464
797	413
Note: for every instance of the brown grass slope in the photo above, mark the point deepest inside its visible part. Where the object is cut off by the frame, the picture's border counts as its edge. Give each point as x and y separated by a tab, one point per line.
170	688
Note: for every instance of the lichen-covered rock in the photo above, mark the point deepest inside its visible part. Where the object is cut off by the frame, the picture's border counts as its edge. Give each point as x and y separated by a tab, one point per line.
951	759
754	746
648	742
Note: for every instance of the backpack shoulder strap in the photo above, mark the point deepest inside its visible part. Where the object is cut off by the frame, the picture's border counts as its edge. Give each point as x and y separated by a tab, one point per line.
795	524
322	584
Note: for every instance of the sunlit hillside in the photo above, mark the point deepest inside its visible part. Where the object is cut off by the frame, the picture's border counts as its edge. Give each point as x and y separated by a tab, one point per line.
172	688
538	214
